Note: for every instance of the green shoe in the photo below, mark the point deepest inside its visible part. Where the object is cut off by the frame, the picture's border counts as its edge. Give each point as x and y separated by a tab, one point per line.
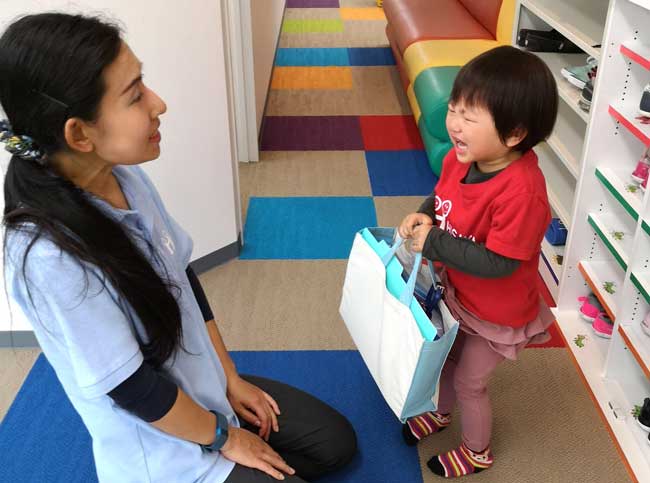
580	75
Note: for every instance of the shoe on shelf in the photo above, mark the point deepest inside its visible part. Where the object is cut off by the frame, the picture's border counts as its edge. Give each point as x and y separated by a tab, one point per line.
640	174
644	105
556	232
590	308
580	75
645	324
586	95
603	326
644	415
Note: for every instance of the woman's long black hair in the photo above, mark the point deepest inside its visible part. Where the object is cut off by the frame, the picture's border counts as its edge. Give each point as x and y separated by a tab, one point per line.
51	69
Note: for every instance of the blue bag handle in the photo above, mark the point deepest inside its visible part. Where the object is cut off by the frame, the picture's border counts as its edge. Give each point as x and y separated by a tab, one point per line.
407	294
388	256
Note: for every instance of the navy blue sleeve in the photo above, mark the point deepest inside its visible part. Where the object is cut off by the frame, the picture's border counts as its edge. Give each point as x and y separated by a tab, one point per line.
146	393
199	295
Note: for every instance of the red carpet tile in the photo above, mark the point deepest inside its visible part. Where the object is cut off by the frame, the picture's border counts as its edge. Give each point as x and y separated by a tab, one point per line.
390	133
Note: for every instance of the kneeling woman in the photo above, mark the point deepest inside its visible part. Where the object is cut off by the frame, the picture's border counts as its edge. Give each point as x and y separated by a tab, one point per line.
101	271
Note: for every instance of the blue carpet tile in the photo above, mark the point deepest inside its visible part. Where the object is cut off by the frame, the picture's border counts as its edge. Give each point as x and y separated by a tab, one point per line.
305	228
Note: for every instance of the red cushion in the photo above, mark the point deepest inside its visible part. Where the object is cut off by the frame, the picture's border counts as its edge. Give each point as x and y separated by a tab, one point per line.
401	68
486	12
414	20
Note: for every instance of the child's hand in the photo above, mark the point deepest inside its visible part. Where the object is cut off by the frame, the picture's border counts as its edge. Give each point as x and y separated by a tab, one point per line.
405	229
420	234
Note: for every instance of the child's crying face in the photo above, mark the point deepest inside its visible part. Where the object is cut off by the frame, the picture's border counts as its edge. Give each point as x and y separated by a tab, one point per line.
475	137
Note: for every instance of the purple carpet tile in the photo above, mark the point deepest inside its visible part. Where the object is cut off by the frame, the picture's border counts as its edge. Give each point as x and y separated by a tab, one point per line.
312	3
312	133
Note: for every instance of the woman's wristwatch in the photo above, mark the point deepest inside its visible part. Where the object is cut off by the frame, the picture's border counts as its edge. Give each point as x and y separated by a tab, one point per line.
221	434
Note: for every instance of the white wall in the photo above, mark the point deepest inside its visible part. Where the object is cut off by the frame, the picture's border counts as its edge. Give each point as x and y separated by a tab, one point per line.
182	50
266	18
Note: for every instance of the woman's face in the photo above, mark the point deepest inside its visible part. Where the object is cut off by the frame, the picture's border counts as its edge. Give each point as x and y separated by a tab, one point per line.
126	131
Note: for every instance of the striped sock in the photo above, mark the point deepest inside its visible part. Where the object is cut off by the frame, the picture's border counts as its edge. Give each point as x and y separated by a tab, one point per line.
460	462
421	426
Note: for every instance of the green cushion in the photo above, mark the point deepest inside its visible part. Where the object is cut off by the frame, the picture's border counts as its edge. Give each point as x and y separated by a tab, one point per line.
432	89
436	148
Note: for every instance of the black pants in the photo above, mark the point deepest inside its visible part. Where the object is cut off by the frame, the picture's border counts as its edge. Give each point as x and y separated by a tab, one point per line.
314	439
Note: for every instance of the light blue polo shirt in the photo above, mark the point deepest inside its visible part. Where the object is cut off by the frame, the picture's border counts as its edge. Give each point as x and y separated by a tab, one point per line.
90	340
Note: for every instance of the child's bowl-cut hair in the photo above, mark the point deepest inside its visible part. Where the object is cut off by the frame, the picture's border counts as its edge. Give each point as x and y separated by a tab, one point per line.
518	90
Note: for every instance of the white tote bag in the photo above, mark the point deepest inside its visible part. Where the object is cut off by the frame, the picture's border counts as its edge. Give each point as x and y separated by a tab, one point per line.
404	353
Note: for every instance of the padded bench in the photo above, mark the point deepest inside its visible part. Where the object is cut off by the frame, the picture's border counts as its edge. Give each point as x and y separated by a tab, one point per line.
431	40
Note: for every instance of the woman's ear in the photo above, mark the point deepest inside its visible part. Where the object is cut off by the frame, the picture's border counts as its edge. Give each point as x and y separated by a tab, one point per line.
76	134
517	136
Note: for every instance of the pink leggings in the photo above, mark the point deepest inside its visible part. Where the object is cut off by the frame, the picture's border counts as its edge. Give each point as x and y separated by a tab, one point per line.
464	379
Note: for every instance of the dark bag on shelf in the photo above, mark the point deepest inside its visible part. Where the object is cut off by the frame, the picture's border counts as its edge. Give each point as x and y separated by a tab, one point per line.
546	41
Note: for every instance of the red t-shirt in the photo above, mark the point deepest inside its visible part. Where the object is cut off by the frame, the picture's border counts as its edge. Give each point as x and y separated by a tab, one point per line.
509	214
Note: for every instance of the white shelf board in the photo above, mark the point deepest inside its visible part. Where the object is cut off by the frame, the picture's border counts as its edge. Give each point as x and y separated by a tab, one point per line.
591	357
570	130
560	184
626	114
629	436
568	92
641	280
642	3
581	21
606	226
565	156
638	52
601	272
590	360
551	254
639	344
614	181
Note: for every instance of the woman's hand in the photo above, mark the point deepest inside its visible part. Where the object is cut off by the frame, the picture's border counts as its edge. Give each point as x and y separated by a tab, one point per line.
248	449
253	405
420	234
411	221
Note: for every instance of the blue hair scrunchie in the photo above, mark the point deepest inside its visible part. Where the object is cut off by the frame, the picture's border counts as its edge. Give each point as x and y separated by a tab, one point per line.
22	146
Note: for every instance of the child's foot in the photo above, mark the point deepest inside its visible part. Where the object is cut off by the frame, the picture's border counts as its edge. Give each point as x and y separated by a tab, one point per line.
421	426
460	462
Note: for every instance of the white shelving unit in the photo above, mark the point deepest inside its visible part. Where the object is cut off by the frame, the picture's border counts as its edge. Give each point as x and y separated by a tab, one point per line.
608	250
582	22
568	93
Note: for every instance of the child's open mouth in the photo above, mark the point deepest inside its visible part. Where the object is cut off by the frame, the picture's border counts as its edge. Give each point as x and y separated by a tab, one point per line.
460	145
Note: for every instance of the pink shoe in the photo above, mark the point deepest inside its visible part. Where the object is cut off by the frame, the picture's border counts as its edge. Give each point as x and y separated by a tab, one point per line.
640	174
644	185
590	307
603	326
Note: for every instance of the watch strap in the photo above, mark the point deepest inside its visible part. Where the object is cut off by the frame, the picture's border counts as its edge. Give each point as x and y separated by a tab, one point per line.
221	434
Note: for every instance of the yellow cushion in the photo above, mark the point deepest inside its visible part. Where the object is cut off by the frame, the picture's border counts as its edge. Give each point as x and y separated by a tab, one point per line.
442	53
413	101
506	21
